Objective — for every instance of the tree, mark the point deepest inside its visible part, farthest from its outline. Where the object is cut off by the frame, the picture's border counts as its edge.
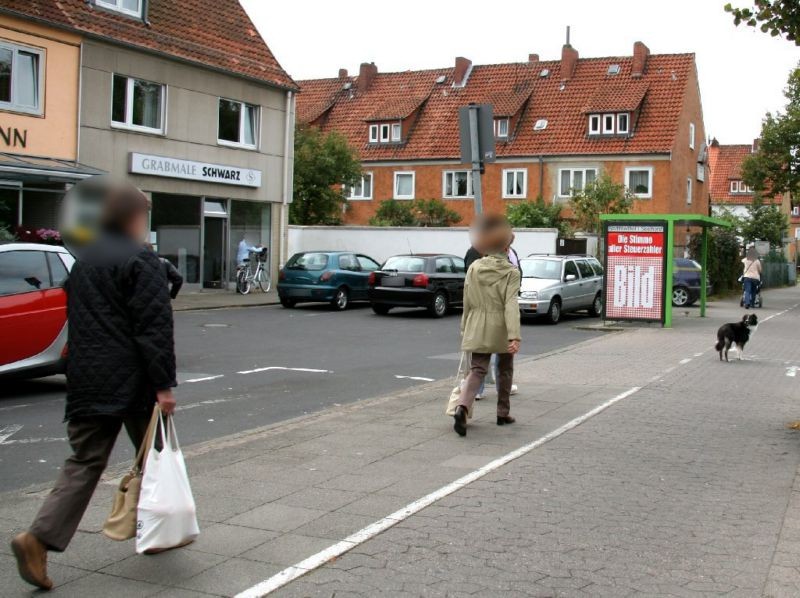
(724, 257)
(434, 212)
(393, 213)
(765, 222)
(600, 196)
(775, 17)
(536, 214)
(323, 164)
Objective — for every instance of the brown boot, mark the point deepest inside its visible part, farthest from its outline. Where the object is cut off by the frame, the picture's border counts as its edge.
(31, 560)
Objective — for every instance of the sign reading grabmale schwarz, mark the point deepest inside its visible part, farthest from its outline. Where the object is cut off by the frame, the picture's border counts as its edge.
(194, 171)
(635, 269)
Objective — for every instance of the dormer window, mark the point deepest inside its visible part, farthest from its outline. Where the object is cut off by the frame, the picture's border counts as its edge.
(740, 187)
(608, 124)
(501, 128)
(613, 123)
(132, 8)
(385, 133)
(622, 123)
(594, 124)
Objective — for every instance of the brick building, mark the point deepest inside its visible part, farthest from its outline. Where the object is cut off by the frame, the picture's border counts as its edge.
(558, 124)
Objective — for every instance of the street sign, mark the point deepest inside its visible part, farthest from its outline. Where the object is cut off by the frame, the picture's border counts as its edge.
(635, 280)
(486, 151)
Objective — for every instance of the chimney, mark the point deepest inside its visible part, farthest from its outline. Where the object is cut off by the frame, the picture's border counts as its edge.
(533, 58)
(714, 142)
(640, 54)
(569, 60)
(756, 142)
(343, 73)
(461, 71)
(366, 74)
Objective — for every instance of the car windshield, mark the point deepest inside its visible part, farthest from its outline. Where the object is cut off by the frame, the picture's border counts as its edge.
(540, 268)
(405, 263)
(308, 261)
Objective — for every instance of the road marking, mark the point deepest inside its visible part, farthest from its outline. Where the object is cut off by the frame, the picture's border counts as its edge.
(202, 404)
(420, 378)
(277, 367)
(315, 561)
(685, 361)
(206, 378)
(31, 440)
(10, 407)
(7, 431)
(792, 371)
(780, 313)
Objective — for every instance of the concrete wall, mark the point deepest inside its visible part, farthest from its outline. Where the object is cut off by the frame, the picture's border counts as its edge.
(382, 243)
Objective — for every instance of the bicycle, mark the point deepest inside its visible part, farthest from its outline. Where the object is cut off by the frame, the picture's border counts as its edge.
(246, 278)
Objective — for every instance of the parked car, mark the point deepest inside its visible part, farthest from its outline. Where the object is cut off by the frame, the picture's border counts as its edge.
(432, 281)
(335, 277)
(33, 309)
(555, 284)
(686, 275)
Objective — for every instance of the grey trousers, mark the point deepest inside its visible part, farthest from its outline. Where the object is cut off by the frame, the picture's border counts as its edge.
(477, 372)
(92, 440)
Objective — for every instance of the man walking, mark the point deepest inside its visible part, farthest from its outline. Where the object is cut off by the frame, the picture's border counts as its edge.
(121, 360)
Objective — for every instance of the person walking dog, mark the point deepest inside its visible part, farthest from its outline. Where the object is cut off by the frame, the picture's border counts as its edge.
(491, 321)
(751, 276)
(121, 361)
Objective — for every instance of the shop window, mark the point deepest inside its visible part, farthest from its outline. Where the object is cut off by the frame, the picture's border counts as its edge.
(238, 124)
(9, 208)
(175, 221)
(137, 104)
(21, 78)
(132, 8)
(249, 221)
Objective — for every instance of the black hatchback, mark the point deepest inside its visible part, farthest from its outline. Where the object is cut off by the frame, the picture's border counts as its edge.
(432, 281)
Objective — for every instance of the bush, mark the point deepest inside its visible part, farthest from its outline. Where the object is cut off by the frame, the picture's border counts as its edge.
(393, 213)
(724, 259)
(536, 214)
(6, 236)
(434, 212)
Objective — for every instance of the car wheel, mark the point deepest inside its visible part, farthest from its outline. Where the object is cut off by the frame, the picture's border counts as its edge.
(438, 306)
(680, 297)
(554, 312)
(287, 303)
(597, 306)
(381, 310)
(341, 300)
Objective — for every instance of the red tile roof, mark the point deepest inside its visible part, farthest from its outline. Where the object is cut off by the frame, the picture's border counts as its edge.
(212, 33)
(725, 165)
(509, 87)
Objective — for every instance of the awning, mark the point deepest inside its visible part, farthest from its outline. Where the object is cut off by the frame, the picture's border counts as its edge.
(53, 170)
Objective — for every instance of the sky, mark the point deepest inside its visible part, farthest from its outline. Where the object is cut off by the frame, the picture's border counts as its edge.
(742, 70)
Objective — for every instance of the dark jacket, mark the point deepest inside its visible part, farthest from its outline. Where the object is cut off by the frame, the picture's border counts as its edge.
(173, 277)
(472, 255)
(120, 347)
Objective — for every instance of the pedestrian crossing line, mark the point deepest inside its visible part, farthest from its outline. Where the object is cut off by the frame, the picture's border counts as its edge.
(285, 369)
(317, 560)
(204, 379)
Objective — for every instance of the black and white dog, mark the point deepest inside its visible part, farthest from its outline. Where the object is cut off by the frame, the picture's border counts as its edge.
(736, 333)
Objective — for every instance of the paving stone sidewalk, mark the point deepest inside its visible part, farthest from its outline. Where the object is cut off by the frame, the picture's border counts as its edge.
(680, 489)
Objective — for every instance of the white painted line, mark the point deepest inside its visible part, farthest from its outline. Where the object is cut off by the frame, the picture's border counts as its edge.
(202, 404)
(792, 371)
(10, 407)
(420, 378)
(206, 378)
(276, 367)
(698, 354)
(685, 361)
(7, 431)
(780, 313)
(317, 560)
(31, 440)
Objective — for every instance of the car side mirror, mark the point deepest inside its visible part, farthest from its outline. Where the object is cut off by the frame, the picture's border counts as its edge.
(570, 277)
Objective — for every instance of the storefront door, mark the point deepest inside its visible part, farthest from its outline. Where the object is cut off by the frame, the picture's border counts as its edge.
(215, 244)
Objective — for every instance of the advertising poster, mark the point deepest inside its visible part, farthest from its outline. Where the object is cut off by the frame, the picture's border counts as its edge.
(635, 270)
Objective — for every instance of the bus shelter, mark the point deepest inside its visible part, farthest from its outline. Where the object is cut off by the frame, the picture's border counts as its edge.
(639, 264)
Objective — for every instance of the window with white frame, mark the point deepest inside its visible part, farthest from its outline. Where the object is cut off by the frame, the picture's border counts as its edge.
(688, 190)
(608, 124)
(740, 187)
(404, 185)
(373, 133)
(137, 104)
(691, 135)
(21, 78)
(639, 181)
(574, 180)
(594, 124)
(396, 132)
(128, 7)
(515, 183)
(623, 123)
(363, 188)
(385, 133)
(501, 128)
(456, 184)
(238, 124)
(618, 123)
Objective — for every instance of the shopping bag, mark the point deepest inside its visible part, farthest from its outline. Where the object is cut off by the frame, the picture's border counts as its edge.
(455, 394)
(167, 517)
(121, 523)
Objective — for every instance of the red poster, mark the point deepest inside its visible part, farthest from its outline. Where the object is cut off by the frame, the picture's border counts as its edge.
(635, 267)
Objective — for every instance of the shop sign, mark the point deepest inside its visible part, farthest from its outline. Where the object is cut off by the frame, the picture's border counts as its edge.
(635, 270)
(175, 168)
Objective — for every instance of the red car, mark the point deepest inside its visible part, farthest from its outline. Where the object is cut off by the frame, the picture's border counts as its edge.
(33, 309)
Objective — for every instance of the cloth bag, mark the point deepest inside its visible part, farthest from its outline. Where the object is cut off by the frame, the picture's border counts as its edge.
(455, 394)
(121, 523)
(167, 516)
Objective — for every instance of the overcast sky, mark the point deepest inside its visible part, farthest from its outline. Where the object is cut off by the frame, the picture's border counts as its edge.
(742, 71)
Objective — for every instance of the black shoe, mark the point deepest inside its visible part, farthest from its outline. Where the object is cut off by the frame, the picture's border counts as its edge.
(460, 421)
(502, 420)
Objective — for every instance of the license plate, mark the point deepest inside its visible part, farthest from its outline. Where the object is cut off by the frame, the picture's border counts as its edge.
(393, 281)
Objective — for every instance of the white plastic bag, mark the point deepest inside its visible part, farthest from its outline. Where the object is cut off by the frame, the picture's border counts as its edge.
(166, 516)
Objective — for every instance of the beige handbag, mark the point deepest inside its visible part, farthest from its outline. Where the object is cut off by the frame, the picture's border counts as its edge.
(121, 523)
(455, 394)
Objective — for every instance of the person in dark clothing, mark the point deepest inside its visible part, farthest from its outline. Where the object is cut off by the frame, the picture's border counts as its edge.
(472, 256)
(121, 361)
(174, 278)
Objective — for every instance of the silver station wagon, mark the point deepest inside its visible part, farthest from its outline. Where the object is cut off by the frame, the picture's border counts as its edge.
(555, 284)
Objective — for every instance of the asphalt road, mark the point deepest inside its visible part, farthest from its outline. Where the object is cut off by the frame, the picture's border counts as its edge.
(233, 365)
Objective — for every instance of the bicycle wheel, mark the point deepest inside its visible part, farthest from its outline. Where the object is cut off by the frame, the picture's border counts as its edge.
(243, 282)
(264, 280)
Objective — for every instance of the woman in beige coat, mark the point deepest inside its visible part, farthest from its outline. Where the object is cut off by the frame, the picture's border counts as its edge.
(491, 322)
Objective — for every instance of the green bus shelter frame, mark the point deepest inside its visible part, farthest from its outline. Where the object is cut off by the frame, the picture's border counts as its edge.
(696, 220)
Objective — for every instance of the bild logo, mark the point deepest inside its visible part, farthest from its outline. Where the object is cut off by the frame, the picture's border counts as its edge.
(634, 286)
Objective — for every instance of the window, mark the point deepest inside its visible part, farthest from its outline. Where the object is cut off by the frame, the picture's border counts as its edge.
(585, 269)
(386, 133)
(238, 123)
(21, 78)
(363, 188)
(691, 135)
(688, 190)
(128, 7)
(598, 269)
(404, 185)
(396, 132)
(574, 179)
(515, 183)
(373, 133)
(622, 123)
(348, 262)
(457, 184)
(608, 123)
(58, 271)
(460, 265)
(23, 272)
(740, 187)
(137, 104)
(501, 127)
(443, 265)
(594, 124)
(570, 269)
(405, 263)
(308, 261)
(640, 181)
(367, 264)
